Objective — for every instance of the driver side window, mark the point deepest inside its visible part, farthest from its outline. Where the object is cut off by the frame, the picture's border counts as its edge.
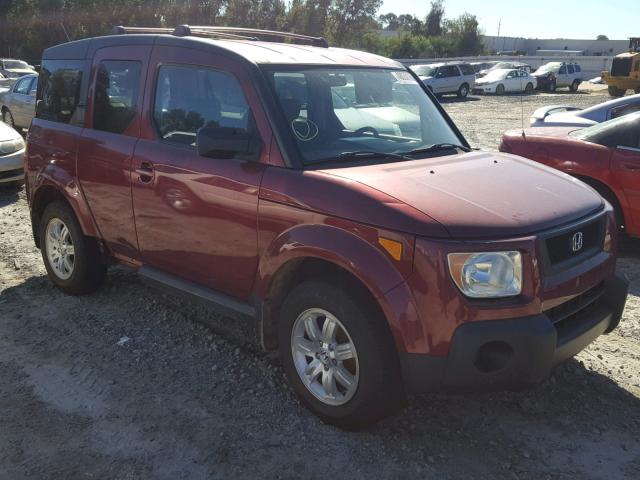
(189, 98)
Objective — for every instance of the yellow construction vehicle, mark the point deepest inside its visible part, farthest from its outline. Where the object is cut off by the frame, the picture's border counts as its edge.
(625, 71)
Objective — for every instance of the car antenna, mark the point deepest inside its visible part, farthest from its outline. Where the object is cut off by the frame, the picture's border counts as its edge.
(524, 137)
(66, 34)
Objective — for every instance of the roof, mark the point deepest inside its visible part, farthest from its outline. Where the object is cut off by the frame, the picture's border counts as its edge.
(258, 52)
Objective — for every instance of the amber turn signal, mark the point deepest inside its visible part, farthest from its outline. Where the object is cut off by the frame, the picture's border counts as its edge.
(392, 247)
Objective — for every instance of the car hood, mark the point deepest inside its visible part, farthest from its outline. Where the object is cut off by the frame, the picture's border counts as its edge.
(481, 195)
(7, 133)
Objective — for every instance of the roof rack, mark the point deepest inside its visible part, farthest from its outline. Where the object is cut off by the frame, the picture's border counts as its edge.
(232, 33)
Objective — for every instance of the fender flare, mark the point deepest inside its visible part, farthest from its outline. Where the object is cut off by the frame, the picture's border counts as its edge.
(376, 272)
(64, 184)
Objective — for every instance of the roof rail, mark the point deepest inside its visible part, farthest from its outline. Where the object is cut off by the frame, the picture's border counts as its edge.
(233, 33)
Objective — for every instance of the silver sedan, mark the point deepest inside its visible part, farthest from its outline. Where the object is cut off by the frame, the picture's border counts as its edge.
(568, 116)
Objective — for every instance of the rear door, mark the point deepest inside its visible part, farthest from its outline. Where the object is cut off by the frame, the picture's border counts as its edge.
(20, 101)
(562, 79)
(107, 143)
(196, 217)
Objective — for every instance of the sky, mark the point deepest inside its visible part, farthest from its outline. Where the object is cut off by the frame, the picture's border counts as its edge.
(582, 19)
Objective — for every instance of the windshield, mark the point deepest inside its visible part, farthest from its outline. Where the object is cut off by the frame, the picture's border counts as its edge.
(336, 111)
(424, 70)
(15, 64)
(596, 133)
(549, 67)
(496, 75)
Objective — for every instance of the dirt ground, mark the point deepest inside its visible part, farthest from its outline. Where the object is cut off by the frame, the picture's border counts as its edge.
(130, 384)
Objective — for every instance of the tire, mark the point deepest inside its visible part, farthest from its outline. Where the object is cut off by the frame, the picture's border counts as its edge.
(529, 88)
(7, 117)
(75, 273)
(463, 91)
(500, 89)
(574, 86)
(615, 91)
(377, 390)
(636, 91)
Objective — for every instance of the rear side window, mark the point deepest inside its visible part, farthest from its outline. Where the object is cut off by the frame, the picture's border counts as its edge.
(60, 91)
(570, 68)
(22, 86)
(189, 98)
(577, 67)
(116, 95)
(450, 71)
(467, 69)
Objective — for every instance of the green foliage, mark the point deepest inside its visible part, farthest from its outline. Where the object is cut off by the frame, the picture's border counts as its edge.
(27, 27)
(602, 37)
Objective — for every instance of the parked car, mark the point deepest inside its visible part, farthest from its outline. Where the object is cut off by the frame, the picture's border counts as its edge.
(375, 264)
(605, 156)
(505, 65)
(451, 77)
(568, 116)
(479, 66)
(11, 68)
(505, 81)
(554, 75)
(11, 156)
(18, 105)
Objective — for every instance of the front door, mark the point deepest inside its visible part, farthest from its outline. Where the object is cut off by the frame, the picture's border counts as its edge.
(106, 147)
(626, 169)
(196, 217)
(21, 101)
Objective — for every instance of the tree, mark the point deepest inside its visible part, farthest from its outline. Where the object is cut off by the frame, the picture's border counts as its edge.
(433, 22)
(351, 18)
(389, 21)
(465, 32)
(602, 37)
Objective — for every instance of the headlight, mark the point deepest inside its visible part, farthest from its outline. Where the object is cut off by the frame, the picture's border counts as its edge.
(11, 146)
(487, 274)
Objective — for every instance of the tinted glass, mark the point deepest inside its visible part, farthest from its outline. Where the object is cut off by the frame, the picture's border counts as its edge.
(625, 109)
(425, 70)
(570, 68)
(59, 91)
(116, 95)
(620, 131)
(577, 67)
(563, 70)
(189, 98)
(17, 64)
(450, 71)
(23, 85)
(332, 111)
(467, 69)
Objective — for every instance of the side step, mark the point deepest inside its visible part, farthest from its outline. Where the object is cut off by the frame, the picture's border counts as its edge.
(170, 283)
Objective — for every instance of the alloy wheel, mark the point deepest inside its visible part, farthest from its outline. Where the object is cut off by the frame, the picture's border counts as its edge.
(59, 248)
(325, 356)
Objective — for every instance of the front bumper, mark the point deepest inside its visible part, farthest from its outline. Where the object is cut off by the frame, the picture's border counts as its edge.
(484, 89)
(12, 167)
(519, 352)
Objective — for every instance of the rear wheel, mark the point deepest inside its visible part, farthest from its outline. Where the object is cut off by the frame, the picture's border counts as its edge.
(615, 91)
(574, 86)
(500, 89)
(338, 354)
(552, 86)
(528, 89)
(463, 91)
(73, 261)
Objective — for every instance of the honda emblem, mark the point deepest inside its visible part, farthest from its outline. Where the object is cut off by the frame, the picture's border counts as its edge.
(576, 242)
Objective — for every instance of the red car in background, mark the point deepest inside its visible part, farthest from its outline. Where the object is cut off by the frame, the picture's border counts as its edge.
(605, 156)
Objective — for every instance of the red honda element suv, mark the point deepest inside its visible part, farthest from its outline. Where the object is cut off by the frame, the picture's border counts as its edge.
(326, 194)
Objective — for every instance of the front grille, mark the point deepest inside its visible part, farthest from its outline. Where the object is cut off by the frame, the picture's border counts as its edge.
(576, 242)
(621, 67)
(570, 317)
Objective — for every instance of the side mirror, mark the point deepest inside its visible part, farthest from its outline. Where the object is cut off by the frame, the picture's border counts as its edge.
(32, 93)
(226, 142)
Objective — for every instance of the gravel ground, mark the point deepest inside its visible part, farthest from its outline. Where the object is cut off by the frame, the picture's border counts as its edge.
(129, 384)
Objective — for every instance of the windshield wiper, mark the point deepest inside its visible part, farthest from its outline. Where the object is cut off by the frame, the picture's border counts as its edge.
(438, 147)
(363, 155)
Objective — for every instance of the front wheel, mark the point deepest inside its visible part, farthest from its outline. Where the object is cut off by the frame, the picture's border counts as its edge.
(338, 353)
(500, 90)
(615, 91)
(528, 89)
(463, 91)
(7, 118)
(73, 261)
(574, 86)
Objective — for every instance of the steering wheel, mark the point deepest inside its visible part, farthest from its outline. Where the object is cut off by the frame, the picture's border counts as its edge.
(367, 129)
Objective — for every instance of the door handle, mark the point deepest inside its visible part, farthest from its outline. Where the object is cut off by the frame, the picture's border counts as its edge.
(145, 172)
(631, 166)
